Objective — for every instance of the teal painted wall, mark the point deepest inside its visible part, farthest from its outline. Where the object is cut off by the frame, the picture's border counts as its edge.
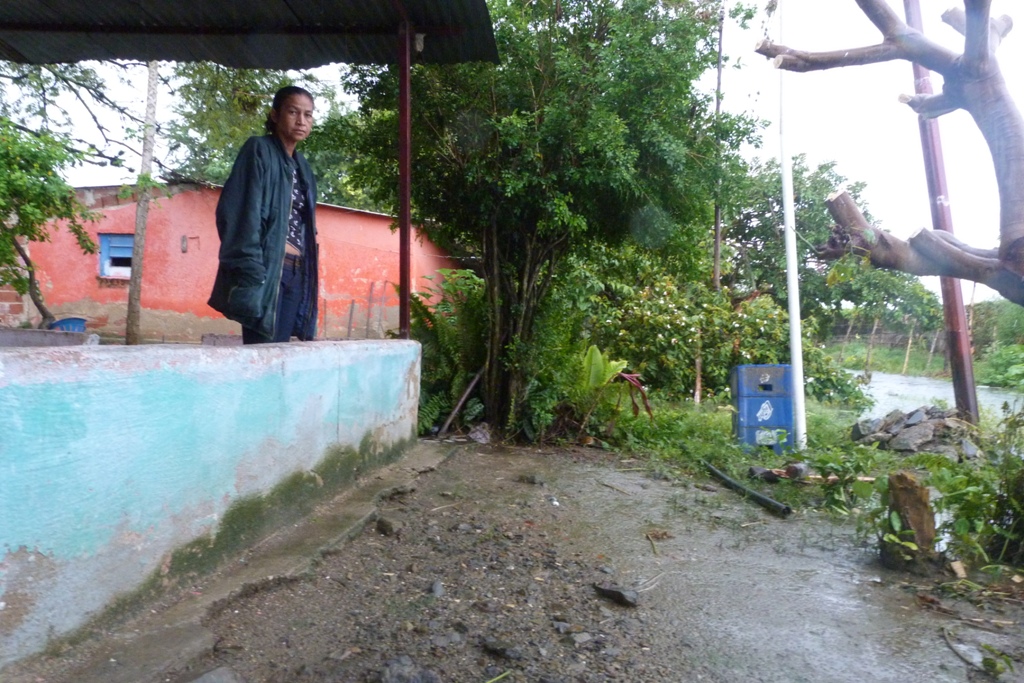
(112, 457)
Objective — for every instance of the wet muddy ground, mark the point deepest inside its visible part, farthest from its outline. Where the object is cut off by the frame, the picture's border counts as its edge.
(486, 571)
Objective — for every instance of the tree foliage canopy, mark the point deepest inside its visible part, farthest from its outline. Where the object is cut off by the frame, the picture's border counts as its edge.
(32, 193)
(589, 128)
(216, 111)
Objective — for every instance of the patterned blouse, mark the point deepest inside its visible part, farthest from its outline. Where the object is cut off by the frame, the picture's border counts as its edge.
(297, 219)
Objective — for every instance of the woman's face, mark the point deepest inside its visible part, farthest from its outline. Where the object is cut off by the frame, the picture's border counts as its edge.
(294, 120)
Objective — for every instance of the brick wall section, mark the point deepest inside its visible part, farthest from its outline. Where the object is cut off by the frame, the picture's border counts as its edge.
(12, 307)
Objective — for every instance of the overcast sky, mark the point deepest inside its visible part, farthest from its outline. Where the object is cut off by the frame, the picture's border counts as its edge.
(852, 115)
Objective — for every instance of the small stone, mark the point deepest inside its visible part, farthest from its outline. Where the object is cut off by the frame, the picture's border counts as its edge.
(916, 417)
(797, 470)
(487, 606)
(220, 675)
(629, 598)
(912, 438)
(437, 589)
(865, 427)
(893, 422)
(404, 670)
(500, 648)
(581, 638)
(388, 527)
(481, 433)
(877, 437)
(532, 479)
(968, 449)
(940, 448)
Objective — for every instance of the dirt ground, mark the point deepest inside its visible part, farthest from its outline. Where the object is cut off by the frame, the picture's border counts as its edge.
(555, 567)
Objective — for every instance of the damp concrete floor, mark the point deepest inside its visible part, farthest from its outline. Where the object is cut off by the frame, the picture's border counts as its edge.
(726, 592)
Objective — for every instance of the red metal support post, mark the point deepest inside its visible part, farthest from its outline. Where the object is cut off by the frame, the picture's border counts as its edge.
(405, 38)
(958, 340)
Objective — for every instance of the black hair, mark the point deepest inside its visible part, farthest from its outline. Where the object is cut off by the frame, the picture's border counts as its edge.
(279, 98)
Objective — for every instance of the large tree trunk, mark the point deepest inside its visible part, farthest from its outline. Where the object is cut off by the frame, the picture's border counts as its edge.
(971, 81)
(518, 268)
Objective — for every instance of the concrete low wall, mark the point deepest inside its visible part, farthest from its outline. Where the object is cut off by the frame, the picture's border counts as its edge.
(122, 465)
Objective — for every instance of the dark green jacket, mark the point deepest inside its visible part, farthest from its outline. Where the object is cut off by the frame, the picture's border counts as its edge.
(252, 221)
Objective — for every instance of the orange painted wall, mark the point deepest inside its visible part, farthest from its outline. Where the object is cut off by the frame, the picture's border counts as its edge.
(358, 257)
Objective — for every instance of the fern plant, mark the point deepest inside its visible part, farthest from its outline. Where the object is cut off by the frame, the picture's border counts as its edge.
(449, 320)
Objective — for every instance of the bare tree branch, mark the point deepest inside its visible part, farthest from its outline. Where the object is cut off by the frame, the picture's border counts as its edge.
(999, 26)
(927, 252)
(973, 82)
(977, 49)
(882, 16)
(799, 60)
(932, 106)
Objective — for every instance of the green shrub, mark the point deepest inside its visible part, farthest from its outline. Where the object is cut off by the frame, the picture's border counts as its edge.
(449, 321)
(1003, 366)
(981, 502)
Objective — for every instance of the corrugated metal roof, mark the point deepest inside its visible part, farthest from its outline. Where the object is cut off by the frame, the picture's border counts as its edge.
(278, 34)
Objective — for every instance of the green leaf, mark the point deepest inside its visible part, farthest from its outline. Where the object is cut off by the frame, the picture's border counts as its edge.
(598, 369)
(862, 489)
(895, 522)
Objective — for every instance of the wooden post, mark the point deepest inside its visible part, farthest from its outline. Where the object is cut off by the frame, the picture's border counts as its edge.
(910, 342)
(133, 324)
(871, 348)
(369, 311)
(931, 351)
(958, 344)
(846, 339)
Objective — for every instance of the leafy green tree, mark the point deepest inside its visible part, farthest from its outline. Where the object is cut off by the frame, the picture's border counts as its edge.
(897, 300)
(332, 157)
(52, 98)
(756, 240)
(32, 193)
(217, 109)
(590, 127)
(829, 291)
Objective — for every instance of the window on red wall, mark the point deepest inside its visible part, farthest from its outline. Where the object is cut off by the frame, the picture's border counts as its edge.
(116, 255)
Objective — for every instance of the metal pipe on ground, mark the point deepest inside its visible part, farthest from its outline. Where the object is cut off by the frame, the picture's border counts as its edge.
(767, 503)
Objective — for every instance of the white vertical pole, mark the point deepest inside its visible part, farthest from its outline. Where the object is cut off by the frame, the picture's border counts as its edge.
(796, 347)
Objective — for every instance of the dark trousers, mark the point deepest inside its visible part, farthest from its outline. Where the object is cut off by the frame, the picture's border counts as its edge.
(293, 284)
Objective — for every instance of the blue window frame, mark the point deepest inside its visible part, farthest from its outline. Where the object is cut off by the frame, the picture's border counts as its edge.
(116, 255)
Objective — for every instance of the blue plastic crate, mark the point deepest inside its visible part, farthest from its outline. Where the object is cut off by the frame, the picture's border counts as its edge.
(761, 380)
(69, 325)
(764, 411)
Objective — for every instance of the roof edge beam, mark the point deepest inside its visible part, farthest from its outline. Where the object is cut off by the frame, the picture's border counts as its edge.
(223, 30)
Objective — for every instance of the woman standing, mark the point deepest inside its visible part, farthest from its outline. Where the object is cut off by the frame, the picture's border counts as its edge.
(267, 278)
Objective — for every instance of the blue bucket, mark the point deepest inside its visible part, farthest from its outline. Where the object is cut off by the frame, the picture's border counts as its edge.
(69, 325)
